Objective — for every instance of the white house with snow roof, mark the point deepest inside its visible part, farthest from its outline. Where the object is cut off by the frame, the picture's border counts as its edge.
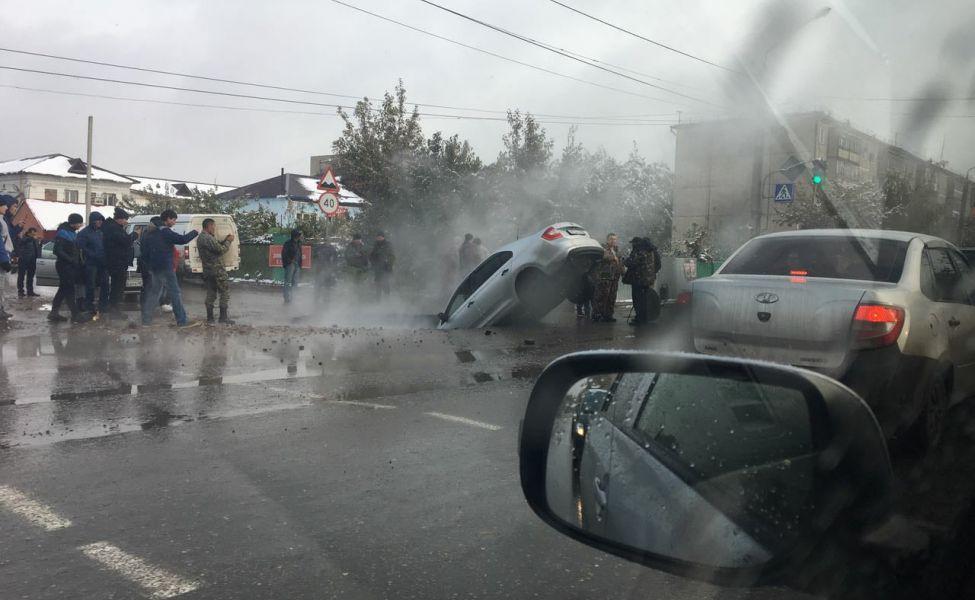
(60, 178)
(147, 187)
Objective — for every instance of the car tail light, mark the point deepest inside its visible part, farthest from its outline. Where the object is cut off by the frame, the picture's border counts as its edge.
(186, 252)
(798, 275)
(877, 325)
(551, 234)
(684, 298)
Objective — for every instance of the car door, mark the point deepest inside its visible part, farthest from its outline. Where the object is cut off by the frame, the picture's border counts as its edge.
(464, 309)
(496, 294)
(46, 272)
(962, 340)
(954, 296)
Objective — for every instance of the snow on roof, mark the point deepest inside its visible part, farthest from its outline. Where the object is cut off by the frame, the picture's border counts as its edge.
(59, 165)
(51, 214)
(175, 187)
(310, 187)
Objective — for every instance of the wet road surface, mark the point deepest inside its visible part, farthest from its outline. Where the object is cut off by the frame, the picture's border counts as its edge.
(287, 460)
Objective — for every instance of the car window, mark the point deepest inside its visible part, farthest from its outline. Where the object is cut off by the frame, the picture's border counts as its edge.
(966, 281)
(947, 279)
(839, 257)
(742, 432)
(47, 250)
(627, 396)
(928, 286)
(476, 279)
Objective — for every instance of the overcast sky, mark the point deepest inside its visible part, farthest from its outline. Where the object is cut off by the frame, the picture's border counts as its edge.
(860, 50)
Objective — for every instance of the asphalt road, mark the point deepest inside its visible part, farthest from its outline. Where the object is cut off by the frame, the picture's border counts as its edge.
(287, 459)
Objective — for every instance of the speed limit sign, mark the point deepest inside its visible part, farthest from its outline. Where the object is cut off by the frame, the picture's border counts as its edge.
(328, 202)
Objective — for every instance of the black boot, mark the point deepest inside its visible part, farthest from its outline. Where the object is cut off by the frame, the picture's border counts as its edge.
(210, 318)
(223, 316)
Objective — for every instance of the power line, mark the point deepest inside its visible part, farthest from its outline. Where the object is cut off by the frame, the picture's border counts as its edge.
(504, 58)
(269, 86)
(544, 46)
(271, 110)
(645, 39)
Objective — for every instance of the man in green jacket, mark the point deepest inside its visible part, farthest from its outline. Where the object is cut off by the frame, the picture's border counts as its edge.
(214, 272)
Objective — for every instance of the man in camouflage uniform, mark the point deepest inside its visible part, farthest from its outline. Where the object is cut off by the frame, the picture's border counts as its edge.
(642, 265)
(606, 277)
(214, 273)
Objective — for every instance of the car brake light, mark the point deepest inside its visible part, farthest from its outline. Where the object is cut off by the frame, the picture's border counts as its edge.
(877, 325)
(186, 252)
(551, 234)
(684, 298)
(798, 275)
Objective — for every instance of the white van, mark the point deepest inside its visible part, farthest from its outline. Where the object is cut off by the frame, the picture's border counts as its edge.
(189, 256)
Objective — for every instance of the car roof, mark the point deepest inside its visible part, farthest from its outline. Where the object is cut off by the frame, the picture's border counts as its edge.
(883, 234)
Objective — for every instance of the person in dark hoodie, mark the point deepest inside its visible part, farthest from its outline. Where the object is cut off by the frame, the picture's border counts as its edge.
(381, 259)
(157, 252)
(68, 265)
(119, 253)
(642, 265)
(291, 261)
(91, 242)
(28, 251)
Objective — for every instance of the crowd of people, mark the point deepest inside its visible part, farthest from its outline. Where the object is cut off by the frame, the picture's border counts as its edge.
(96, 258)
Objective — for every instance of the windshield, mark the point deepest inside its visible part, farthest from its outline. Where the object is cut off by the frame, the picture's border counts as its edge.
(839, 257)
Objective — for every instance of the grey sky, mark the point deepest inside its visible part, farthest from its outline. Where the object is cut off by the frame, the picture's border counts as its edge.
(880, 48)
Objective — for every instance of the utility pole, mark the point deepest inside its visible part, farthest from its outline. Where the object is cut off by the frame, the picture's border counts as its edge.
(88, 173)
(965, 202)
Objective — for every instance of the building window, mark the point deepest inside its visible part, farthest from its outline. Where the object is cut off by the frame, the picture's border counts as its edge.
(51, 195)
(822, 139)
(71, 196)
(109, 199)
(850, 149)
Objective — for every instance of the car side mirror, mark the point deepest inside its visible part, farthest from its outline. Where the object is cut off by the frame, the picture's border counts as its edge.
(724, 470)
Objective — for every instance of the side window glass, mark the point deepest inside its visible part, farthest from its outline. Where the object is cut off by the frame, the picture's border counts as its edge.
(628, 395)
(47, 250)
(965, 291)
(946, 277)
(476, 279)
(928, 287)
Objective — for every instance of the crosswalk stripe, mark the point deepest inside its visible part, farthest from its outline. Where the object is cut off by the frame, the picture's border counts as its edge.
(43, 516)
(158, 582)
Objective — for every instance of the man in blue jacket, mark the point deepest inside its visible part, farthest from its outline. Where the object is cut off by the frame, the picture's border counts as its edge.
(92, 246)
(157, 256)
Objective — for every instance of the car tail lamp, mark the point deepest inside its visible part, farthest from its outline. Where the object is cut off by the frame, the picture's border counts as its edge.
(684, 298)
(186, 252)
(551, 234)
(877, 325)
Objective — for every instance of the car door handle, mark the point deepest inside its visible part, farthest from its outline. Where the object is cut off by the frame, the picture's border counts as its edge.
(953, 322)
(600, 492)
(505, 272)
(470, 304)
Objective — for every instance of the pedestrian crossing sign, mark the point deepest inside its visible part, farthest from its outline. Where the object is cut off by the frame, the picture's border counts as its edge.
(785, 192)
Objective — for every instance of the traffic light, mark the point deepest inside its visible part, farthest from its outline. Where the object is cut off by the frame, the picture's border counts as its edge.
(818, 175)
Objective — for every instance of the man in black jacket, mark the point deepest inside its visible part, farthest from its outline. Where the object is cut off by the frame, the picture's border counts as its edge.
(291, 261)
(28, 251)
(68, 265)
(119, 254)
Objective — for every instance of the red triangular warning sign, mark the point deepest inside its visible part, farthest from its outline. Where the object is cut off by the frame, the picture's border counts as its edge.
(328, 181)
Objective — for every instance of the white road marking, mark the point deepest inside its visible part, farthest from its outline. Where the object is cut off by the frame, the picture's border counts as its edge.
(325, 399)
(357, 403)
(465, 421)
(159, 583)
(17, 502)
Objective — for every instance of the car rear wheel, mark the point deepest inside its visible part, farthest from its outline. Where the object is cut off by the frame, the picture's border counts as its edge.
(930, 425)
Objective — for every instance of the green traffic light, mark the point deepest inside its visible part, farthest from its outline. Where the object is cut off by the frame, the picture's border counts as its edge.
(817, 179)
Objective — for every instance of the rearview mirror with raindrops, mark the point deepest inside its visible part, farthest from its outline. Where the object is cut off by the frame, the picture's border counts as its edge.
(724, 470)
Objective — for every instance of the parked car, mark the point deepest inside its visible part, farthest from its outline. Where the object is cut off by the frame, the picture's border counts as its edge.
(852, 304)
(524, 280)
(47, 274)
(188, 258)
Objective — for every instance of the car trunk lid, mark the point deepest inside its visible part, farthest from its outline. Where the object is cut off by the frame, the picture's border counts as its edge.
(793, 320)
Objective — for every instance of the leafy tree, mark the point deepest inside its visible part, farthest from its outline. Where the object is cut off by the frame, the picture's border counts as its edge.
(844, 204)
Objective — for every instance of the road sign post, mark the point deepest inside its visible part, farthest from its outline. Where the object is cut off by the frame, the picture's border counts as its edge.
(328, 201)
